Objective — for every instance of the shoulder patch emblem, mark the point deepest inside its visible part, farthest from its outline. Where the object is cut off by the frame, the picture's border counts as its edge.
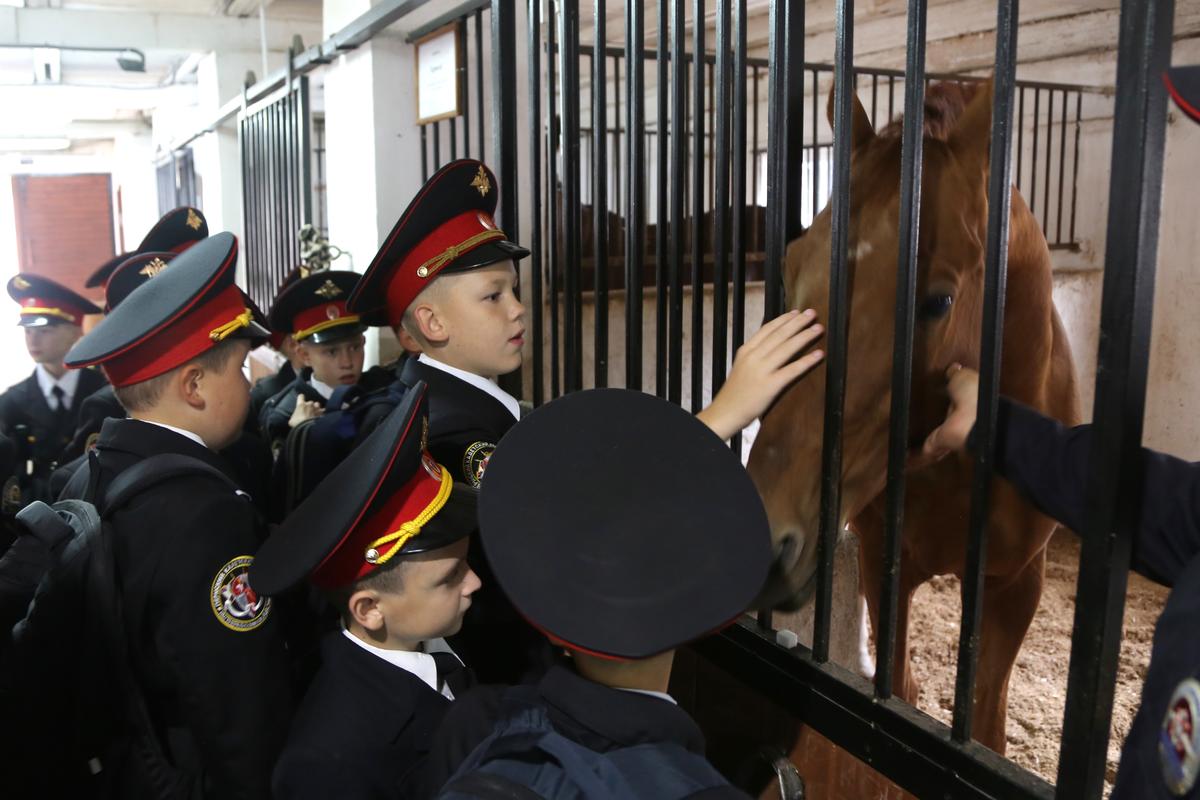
(475, 461)
(1179, 738)
(236, 605)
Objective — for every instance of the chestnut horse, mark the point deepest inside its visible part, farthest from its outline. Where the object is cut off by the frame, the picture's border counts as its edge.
(1036, 370)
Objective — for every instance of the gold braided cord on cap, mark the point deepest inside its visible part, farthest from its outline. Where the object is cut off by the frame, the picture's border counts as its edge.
(36, 311)
(455, 250)
(411, 528)
(325, 325)
(234, 325)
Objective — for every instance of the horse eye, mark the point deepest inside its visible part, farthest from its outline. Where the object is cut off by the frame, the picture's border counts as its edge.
(935, 306)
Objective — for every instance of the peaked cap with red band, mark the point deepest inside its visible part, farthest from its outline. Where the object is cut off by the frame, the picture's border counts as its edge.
(448, 227)
(166, 322)
(386, 500)
(46, 302)
(646, 531)
(175, 231)
(1184, 85)
(313, 309)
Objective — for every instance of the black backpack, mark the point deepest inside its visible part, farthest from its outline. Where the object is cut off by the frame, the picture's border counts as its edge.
(70, 668)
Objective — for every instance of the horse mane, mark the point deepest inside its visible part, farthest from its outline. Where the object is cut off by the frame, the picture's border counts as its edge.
(944, 104)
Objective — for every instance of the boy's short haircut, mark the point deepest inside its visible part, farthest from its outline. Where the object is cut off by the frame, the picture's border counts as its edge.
(387, 579)
(145, 395)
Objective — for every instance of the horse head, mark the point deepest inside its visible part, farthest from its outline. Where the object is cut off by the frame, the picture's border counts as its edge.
(786, 459)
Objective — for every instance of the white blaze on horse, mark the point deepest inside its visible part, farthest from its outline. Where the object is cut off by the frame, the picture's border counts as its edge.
(1036, 370)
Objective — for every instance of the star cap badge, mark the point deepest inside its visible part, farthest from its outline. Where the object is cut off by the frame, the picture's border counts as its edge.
(20, 283)
(328, 290)
(193, 220)
(153, 268)
(481, 182)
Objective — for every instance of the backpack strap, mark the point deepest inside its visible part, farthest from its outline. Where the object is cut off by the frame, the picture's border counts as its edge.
(155, 470)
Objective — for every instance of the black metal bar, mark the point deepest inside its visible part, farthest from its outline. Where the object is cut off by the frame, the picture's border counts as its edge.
(1062, 168)
(568, 51)
(706, 154)
(911, 163)
(457, 14)
(1049, 154)
(424, 153)
(874, 99)
(891, 97)
(306, 151)
(816, 150)
(1037, 119)
(275, 154)
(994, 283)
(437, 145)
(600, 197)
(754, 149)
(291, 189)
(554, 212)
(1020, 133)
(662, 217)
(504, 138)
(720, 206)
(839, 316)
(618, 195)
(534, 61)
(739, 189)
(451, 124)
(697, 226)
(635, 211)
(465, 93)
(479, 83)
(889, 735)
(1075, 169)
(678, 157)
(1115, 466)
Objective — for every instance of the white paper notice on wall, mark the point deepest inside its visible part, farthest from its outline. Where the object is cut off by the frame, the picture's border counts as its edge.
(437, 75)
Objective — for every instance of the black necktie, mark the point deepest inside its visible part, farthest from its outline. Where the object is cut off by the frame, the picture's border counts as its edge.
(450, 672)
(61, 397)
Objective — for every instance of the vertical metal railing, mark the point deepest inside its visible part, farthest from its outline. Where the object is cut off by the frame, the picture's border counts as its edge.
(635, 171)
(274, 138)
(600, 174)
(1115, 467)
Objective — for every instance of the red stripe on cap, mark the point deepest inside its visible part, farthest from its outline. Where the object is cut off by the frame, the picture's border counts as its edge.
(326, 312)
(1187, 107)
(179, 248)
(40, 306)
(406, 284)
(347, 563)
(176, 344)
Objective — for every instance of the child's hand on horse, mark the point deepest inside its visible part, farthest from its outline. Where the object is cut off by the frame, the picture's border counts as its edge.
(963, 387)
(767, 364)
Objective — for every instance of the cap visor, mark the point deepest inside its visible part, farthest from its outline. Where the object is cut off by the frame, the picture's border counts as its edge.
(487, 254)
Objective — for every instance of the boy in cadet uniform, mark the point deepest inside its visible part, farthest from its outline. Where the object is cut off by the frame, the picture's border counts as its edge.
(384, 536)
(643, 535)
(41, 412)
(206, 649)
(175, 232)
(446, 278)
(281, 341)
(329, 341)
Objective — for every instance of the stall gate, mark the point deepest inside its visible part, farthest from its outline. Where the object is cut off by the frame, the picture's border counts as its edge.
(613, 224)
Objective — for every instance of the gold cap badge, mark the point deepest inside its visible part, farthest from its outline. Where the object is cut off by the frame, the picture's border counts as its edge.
(193, 220)
(153, 268)
(20, 283)
(481, 182)
(328, 290)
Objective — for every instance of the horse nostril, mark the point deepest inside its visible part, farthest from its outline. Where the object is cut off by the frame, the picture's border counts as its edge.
(787, 552)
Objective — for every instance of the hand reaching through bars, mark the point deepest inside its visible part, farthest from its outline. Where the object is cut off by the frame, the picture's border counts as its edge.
(767, 364)
(963, 386)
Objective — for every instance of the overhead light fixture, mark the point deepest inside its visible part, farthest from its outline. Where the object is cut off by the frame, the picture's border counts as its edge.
(29, 144)
(132, 60)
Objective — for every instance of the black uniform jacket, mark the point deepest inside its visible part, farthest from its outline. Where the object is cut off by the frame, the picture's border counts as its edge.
(363, 731)
(268, 387)
(215, 681)
(275, 412)
(596, 716)
(23, 404)
(465, 424)
(98, 406)
(1049, 465)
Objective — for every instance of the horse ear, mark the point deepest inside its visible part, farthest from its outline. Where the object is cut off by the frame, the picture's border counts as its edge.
(861, 130)
(973, 132)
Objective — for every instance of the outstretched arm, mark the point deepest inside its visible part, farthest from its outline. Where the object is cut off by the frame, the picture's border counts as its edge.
(763, 368)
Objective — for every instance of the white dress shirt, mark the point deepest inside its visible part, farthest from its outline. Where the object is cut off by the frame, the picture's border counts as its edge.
(323, 389)
(69, 382)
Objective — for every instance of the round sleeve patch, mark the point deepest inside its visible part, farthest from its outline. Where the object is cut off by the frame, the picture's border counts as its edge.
(237, 606)
(475, 461)
(1179, 738)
